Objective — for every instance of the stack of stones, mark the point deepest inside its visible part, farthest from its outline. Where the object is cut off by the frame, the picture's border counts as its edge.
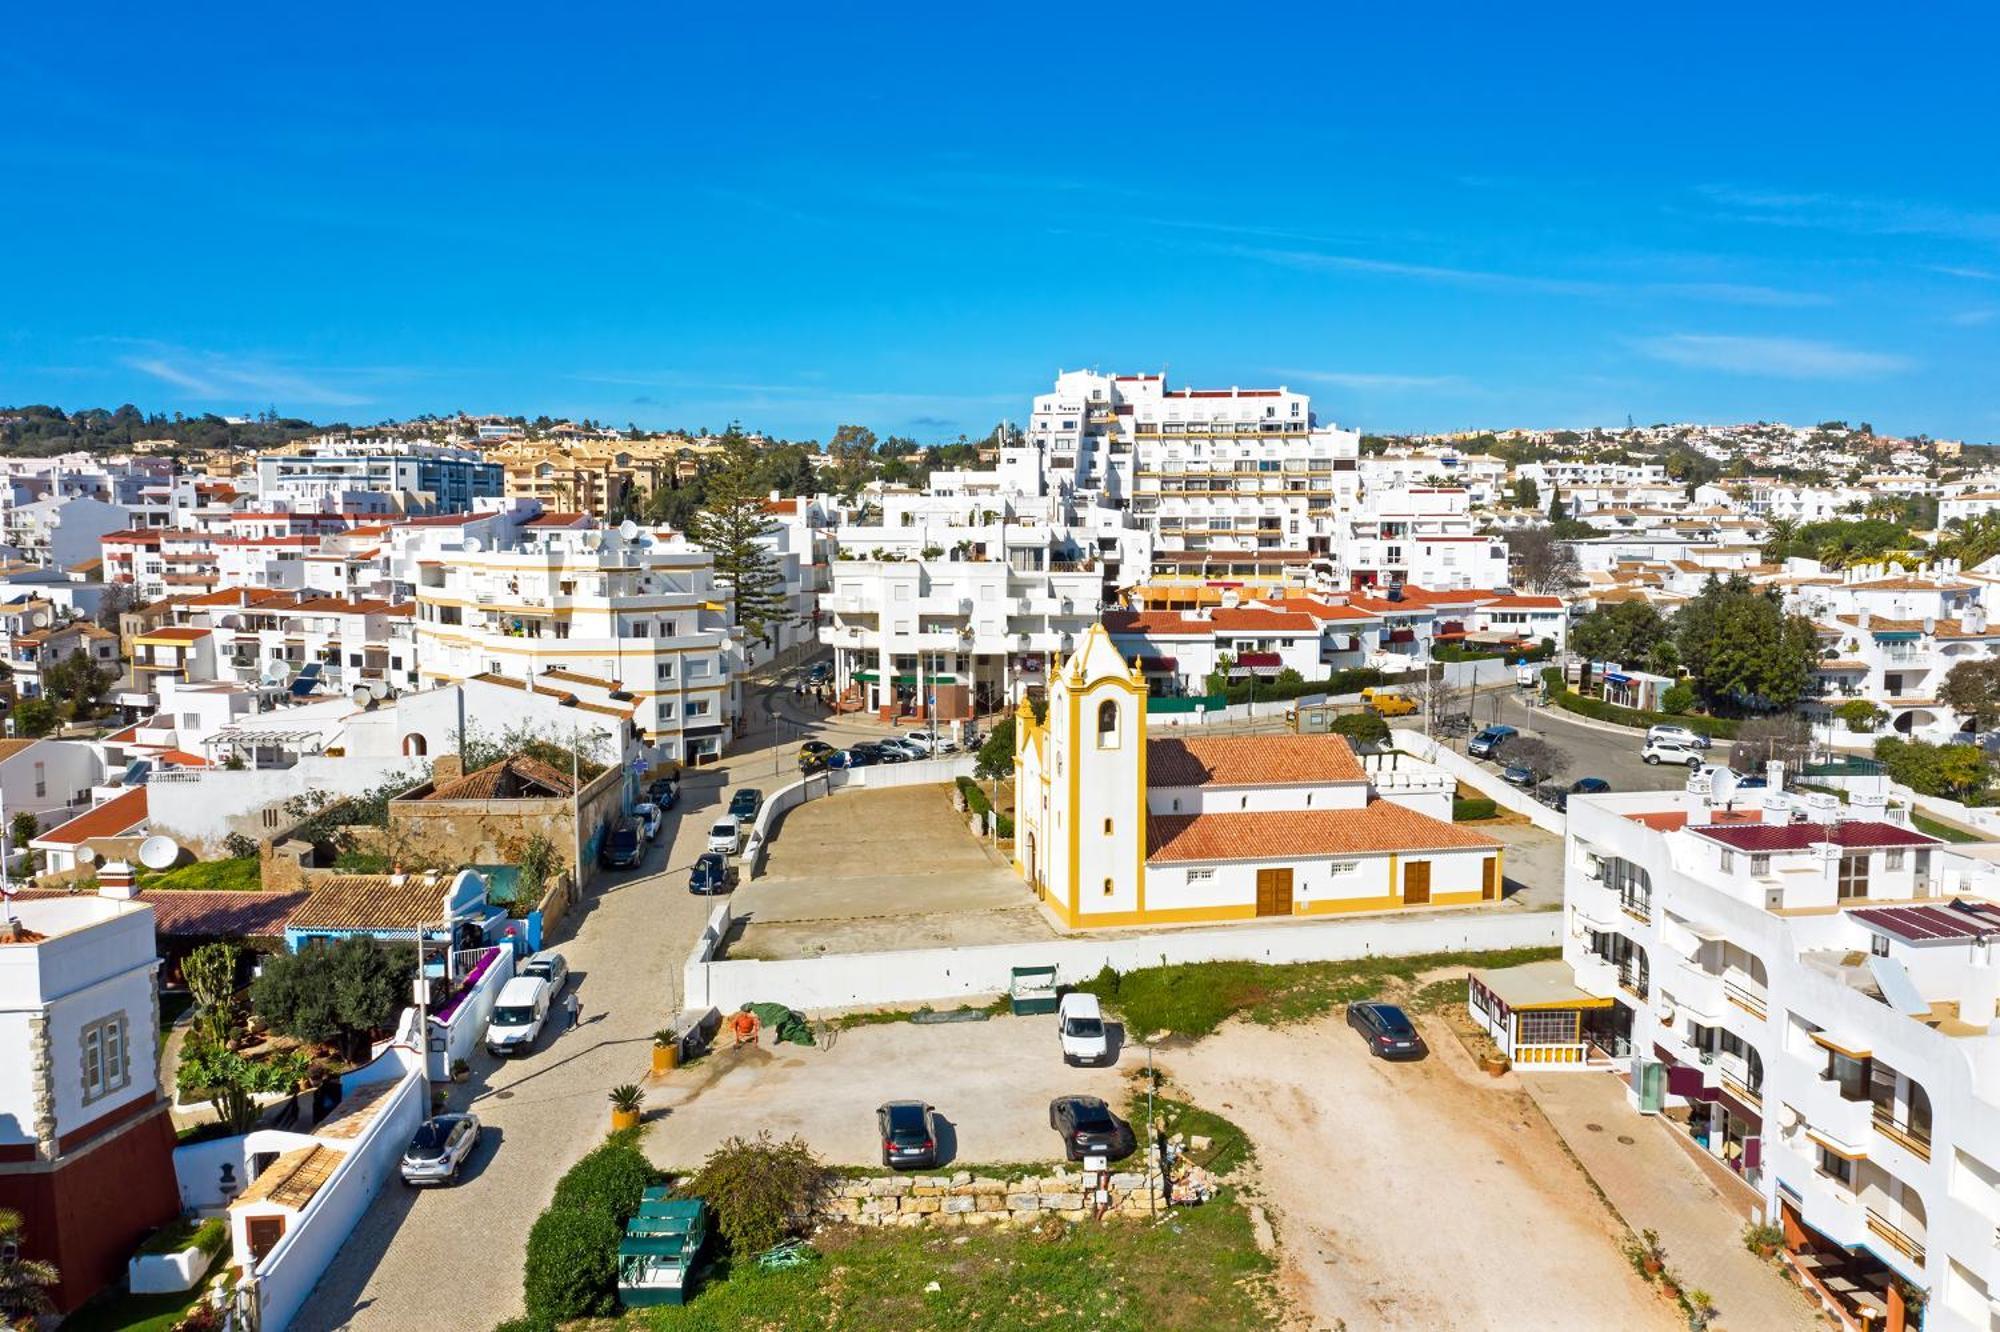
(963, 1199)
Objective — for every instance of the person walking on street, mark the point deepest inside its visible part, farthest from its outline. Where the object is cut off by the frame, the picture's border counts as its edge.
(573, 1007)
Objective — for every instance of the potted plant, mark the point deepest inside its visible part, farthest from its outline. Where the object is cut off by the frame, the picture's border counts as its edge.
(1762, 1240)
(1670, 1286)
(460, 1070)
(1653, 1254)
(625, 1103)
(1701, 1309)
(666, 1050)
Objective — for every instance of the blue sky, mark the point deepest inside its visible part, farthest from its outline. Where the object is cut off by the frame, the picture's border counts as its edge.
(673, 215)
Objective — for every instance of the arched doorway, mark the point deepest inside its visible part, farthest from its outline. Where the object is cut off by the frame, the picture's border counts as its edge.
(414, 745)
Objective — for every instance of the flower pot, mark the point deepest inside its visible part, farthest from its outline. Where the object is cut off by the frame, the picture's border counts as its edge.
(624, 1119)
(666, 1058)
(1494, 1064)
(1652, 1268)
(1671, 1291)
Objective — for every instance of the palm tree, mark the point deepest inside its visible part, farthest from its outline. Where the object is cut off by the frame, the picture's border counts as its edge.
(24, 1282)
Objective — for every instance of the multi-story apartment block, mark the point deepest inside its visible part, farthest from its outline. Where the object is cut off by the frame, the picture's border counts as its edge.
(1426, 536)
(1806, 989)
(1232, 483)
(270, 637)
(446, 480)
(556, 596)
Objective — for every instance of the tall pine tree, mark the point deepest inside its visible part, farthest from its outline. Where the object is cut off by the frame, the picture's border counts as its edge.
(731, 525)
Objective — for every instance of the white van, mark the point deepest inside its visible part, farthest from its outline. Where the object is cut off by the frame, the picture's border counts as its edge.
(1081, 1022)
(726, 836)
(518, 1015)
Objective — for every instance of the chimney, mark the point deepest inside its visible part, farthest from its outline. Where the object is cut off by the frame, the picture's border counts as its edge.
(117, 881)
(1982, 983)
(1774, 776)
(1868, 806)
(1695, 798)
(1822, 808)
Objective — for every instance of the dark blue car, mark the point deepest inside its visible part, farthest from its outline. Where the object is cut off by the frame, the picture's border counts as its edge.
(712, 874)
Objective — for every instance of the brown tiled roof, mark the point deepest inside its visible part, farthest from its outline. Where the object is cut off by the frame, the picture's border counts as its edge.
(293, 1179)
(196, 913)
(514, 778)
(1251, 760)
(374, 902)
(9, 748)
(116, 815)
(1301, 833)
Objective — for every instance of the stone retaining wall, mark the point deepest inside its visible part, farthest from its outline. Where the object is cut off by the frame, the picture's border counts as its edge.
(962, 1199)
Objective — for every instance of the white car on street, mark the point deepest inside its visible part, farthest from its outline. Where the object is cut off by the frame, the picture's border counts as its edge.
(1671, 751)
(1680, 735)
(932, 742)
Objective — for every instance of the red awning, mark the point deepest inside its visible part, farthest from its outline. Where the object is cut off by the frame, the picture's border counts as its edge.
(1402, 635)
(1259, 661)
(1169, 665)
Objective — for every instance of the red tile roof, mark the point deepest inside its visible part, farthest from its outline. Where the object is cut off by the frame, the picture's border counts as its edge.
(1251, 760)
(120, 814)
(1221, 619)
(1299, 834)
(195, 913)
(1853, 834)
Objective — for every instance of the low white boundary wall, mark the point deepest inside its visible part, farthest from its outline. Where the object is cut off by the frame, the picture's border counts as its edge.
(1487, 783)
(925, 975)
(926, 772)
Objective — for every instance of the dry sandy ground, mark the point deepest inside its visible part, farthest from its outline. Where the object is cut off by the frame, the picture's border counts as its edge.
(1417, 1195)
(990, 1081)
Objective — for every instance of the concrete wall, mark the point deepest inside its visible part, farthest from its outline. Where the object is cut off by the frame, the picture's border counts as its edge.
(598, 805)
(1485, 782)
(199, 807)
(458, 1038)
(945, 1201)
(864, 980)
(290, 1271)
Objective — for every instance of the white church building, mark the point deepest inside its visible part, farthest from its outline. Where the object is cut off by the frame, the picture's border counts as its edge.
(1115, 828)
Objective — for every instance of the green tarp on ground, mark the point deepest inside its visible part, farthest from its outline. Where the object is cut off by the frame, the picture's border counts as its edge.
(787, 1025)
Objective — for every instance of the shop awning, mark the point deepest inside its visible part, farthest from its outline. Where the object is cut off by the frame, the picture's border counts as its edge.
(869, 677)
(1260, 661)
(1538, 985)
(1168, 665)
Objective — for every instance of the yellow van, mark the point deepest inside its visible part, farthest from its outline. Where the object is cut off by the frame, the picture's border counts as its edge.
(1388, 703)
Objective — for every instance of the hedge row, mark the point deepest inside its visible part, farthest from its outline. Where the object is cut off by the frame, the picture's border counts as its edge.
(1476, 807)
(1560, 694)
(976, 801)
(1350, 681)
(1457, 652)
(572, 1260)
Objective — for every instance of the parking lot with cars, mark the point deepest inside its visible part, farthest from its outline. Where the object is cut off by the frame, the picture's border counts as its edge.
(1591, 752)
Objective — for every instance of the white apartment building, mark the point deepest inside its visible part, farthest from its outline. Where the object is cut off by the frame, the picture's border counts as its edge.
(1230, 483)
(329, 468)
(555, 598)
(1808, 991)
(1486, 480)
(964, 635)
(1426, 536)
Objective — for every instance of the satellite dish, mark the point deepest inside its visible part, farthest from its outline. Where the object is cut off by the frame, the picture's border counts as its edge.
(85, 856)
(378, 689)
(592, 540)
(158, 853)
(360, 697)
(628, 529)
(39, 619)
(473, 545)
(1722, 785)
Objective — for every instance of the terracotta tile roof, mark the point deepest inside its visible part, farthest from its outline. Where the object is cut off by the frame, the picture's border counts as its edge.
(176, 634)
(374, 902)
(1671, 819)
(194, 913)
(517, 778)
(1298, 834)
(118, 815)
(573, 678)
(1251, 760)
(9, 748)
(294, 1178)
(1849, 833)
(1221, 619)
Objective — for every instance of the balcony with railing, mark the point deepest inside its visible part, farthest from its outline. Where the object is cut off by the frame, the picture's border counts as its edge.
(1912, 1137)
(1745, 993)
(1902, 1232)
(1634, 978)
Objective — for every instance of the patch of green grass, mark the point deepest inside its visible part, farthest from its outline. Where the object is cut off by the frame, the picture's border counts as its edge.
(1945, 830)
(236, 875)
(1439, 996)
(351, 861)
(879, 1016)
(133, 1313)
(1197, 1271)
(1193, 999)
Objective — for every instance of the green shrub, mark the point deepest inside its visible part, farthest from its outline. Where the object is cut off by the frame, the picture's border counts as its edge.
(612, 1179)
(1477, 807)
(1350, 681)
(762, 1191)
(1364, 728)
(1678, 699)
(572, 1266)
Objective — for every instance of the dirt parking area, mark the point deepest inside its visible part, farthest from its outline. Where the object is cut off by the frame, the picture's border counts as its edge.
(991, 1082)
(869, 871)
(1415, 1195)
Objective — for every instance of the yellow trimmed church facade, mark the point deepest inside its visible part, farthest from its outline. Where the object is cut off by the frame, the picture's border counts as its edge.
(1115, 828)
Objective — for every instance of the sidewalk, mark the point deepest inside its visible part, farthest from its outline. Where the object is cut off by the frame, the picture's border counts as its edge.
(1654, 1184)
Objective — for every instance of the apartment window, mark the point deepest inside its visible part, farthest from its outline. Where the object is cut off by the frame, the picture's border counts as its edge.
(1878, 944)
(638, 629)
(106, 1067)
(697, 707)
(1728, 861)
(1836, 1167)
(664, 671)
(1894, 859)
(697, 668)
(1760, 865)
(1107, 887)
(41, 780)
(1107, 827)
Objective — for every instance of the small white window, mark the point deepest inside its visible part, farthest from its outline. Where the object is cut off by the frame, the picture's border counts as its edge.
(1200, 875)
(105, 1068)
(1894, 859)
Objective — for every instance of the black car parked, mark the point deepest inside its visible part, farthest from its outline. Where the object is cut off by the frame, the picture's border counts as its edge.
(623, 848)
(1388, 1030)
(743, 806)
(712, 874)
(1087, 1126)
(909, 1135)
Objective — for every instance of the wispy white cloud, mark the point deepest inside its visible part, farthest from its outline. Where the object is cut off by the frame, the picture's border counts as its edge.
(216, 377)
(1360, 379)
(1783, 358)
(1973, 318)
(1722, 293)
(1975, 274)
(1875, 217)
